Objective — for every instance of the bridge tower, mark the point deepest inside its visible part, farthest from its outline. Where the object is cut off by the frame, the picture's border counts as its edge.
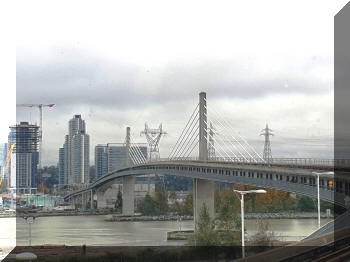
(128, 208)
(267, 132)
(203, 190)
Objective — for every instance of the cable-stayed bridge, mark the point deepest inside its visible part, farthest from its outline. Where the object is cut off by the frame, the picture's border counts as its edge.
(223, 156)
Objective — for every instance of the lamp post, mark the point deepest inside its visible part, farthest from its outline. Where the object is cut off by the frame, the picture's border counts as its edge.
(30, 220)
(318, 194)
(242, 193)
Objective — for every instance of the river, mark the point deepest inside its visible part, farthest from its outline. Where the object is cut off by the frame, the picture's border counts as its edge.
(93, 230)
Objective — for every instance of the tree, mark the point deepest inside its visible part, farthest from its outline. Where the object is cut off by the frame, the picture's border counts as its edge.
(228, 219)
(306, 204)
(119, 202)
(148, 206)
(205, 234)
(161, 199)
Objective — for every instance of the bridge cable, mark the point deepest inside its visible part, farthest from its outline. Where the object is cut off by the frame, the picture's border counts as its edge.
(195, 129)
(138, 149)
(229, 157)
(133, 151)
(180, 145)
(234, 137)
(133, 159)
(139, 152)
(190, 146)
(195, 110)
(217, 151)
(230, 126)
(190, 127)
(231, 144)
(134, 156)
(235, 140)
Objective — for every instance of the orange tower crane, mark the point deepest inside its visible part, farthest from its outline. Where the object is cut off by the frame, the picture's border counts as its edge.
(40, 106)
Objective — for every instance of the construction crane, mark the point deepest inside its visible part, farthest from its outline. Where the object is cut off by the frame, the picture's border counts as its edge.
(8, 159)
(40, 106)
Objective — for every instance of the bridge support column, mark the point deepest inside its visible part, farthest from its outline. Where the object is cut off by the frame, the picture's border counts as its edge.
(203, 195)
(101, 200)
(203, 190)
(128, 208)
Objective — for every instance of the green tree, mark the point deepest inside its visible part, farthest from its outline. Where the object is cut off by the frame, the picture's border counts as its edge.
(205, 234)
(228, 219)
(119, 202)
(161, 199)
(148, 206)
(306, 204)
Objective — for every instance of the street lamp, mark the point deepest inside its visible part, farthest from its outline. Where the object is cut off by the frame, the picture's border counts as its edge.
(30, 220)
(318, 194)
(242, 193)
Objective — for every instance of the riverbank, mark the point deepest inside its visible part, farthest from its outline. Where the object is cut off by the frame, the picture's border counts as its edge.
(114, 216)
(120, 218)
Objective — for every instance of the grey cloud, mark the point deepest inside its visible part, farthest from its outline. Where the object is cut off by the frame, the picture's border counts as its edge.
(88, 80)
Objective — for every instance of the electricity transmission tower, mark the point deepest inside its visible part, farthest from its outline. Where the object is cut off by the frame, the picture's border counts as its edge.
(211, 148)
(267, 132)
(153, 136)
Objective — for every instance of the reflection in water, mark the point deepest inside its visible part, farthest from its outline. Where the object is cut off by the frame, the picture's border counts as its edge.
(93, 230)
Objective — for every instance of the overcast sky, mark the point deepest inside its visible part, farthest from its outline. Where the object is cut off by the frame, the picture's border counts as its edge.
(127, 63)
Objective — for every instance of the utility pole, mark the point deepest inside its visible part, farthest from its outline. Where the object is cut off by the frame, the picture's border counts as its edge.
(267, 155)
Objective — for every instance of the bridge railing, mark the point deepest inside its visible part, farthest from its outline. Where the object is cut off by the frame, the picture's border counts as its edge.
(282, 161)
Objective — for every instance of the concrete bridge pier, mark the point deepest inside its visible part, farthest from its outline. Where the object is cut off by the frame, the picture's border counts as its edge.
(203, 195)
(128, 208)
(83, 201)
(101, 200)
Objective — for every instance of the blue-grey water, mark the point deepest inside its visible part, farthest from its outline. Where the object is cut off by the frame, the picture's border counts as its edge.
(93, 230)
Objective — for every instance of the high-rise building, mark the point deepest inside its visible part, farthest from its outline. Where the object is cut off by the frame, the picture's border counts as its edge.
(112, 156)
(61, 177)
(74, 155)
(3, 156)
(26, 156)
(101, 161)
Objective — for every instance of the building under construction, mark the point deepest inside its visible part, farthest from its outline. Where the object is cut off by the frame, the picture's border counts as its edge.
(26, 157)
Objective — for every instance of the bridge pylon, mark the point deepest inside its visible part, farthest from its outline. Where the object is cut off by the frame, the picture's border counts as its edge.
(128, 195)
(203, 190)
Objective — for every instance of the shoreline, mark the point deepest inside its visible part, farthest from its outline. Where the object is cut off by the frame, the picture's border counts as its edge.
(114, 217)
